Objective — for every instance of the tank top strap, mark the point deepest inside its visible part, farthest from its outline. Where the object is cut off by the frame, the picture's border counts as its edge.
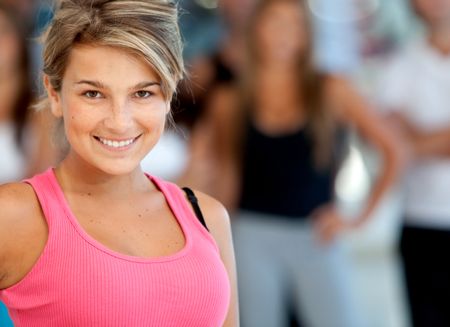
(43, 186)
(177, 198)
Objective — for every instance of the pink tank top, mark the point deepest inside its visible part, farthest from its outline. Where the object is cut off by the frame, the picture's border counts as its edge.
(79, 282)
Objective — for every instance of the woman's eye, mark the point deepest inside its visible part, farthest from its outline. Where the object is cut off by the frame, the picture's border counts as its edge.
(143, 94)
(93, 94)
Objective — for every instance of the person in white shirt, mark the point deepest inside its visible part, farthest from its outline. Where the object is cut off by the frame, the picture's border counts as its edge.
(415, 89)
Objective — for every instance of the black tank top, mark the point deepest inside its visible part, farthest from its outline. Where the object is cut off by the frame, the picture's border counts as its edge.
(279, 176)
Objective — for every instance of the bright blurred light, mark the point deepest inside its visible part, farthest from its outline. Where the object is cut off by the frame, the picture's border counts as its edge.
(353, 180)
(343, 10)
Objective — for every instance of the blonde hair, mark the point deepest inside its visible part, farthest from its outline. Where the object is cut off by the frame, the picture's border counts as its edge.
(148, 28)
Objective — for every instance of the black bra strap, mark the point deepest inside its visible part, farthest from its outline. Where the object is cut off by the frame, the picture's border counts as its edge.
(194, 202)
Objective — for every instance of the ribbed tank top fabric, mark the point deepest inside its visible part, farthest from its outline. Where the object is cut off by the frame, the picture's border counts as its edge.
(79, 282)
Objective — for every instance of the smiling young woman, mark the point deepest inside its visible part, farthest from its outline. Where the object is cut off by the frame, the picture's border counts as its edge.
(110, 122)
(95, 240)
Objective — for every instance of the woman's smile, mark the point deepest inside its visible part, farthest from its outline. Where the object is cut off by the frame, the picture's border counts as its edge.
(112, 144)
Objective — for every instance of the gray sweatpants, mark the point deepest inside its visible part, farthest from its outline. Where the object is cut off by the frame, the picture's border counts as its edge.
(281, 264)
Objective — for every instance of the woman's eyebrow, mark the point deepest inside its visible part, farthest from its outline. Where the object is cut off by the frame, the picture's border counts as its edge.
(100, 85)
(145, 84)
(96, 84)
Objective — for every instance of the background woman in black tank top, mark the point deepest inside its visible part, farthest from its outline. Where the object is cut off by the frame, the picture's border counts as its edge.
(277, 150)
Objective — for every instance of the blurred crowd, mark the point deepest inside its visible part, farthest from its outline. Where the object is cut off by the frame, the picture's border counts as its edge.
(324, 128)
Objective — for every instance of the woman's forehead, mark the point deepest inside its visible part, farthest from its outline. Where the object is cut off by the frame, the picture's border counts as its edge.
(99, 62)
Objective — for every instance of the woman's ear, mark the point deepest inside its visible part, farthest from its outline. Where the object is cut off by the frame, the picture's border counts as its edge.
(53, 97)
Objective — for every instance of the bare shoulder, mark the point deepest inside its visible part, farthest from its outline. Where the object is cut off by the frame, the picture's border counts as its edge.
(16, 200)
(22, 229)
(227, 93)
(216, 216)
(217, 220)
(223, 101)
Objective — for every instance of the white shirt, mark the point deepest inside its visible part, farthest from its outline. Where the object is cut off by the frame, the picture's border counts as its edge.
(12, 160)
(168, 159)
(417, 84)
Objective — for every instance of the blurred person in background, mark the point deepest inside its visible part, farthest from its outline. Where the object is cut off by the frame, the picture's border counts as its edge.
(209, 71)
(15, 96)
(20, 133)
(278, 142)
(25, 9)
(415, 91)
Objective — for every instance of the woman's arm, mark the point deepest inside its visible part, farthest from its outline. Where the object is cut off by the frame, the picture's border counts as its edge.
(352, 109)
(218, 222)
(23, 232)
(421, 144)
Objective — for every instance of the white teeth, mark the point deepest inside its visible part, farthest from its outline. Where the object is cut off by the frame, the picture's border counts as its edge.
(116, 144)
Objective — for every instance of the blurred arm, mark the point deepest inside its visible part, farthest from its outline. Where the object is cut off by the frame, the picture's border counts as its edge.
(354, 110)
(423, 144)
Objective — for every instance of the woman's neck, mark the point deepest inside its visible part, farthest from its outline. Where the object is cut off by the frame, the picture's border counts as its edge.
(278, 85)
(271, 66)
(76, 176)
(278, 106)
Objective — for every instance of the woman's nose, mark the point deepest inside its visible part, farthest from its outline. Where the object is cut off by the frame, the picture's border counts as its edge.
(120, 117)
